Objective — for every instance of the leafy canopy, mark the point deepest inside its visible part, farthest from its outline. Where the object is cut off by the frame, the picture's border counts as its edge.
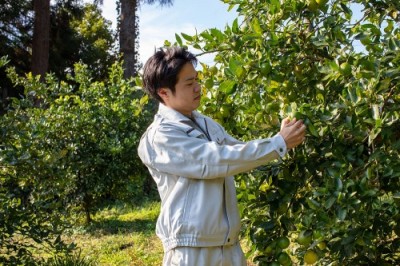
(337, 69)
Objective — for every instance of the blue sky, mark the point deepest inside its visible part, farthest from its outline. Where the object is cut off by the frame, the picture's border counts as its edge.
(161, 23)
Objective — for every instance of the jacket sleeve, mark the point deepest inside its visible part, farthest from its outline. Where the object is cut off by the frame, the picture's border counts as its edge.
(172, 151)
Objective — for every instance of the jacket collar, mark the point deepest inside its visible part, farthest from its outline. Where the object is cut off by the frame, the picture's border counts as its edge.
(171, 114)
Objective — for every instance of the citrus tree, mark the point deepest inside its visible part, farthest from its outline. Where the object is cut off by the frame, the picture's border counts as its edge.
(74, 153)
(335, 65)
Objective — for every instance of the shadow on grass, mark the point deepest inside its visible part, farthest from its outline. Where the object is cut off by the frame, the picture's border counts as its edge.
(115, 226)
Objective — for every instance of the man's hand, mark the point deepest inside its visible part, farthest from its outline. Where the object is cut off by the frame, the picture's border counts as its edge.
(293, 132)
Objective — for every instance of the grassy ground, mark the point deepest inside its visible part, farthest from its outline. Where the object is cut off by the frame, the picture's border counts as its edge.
(121, 236)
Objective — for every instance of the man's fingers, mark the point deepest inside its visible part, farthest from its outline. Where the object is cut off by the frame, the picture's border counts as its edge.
(292, 122)
(301, 127)
(285, 121)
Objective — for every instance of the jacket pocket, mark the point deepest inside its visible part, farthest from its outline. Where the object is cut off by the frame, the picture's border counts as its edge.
(219, 137)
(216, 134)
(194, 133)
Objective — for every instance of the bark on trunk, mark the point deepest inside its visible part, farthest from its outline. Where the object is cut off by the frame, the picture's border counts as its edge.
(128, 34)
(41, 38)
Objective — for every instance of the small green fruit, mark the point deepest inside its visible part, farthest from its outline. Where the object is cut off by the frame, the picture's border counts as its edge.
(283, 242)
(313, 6)
(345, 68)
(305, 237)
(310, 257)
(284, 259)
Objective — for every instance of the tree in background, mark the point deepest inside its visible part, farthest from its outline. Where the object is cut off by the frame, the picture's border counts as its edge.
(71, 39)
(41, 37)
(129, 32)
(336, 199)
(80, 34)
(15, 26)
(67, 44)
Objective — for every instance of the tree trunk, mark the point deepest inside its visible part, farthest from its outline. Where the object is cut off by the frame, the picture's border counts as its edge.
(128, 36)
(87, 206)
(41, 38)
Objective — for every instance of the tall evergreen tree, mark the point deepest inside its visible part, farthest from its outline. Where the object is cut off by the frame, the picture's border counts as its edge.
(129, 32)
(41, 37)
(15, 25)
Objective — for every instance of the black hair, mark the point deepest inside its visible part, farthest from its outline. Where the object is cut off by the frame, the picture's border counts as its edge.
(161, 70)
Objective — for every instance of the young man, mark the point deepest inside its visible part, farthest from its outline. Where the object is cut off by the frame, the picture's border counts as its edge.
(192, 159)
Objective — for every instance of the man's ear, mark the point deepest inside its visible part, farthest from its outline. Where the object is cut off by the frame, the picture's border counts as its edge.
(163, 93)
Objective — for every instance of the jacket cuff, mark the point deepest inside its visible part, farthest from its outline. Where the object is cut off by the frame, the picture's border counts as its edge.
(280, 145)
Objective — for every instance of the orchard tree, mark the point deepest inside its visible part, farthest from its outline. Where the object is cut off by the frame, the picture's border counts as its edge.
(31, 204)
(334, 64)
(76, 154)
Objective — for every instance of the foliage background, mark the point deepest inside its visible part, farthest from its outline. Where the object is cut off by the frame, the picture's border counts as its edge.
(297, 59)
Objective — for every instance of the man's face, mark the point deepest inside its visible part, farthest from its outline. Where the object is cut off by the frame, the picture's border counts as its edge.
(187, 92)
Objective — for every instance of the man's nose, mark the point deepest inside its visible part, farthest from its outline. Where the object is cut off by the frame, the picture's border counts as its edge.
(197, 87)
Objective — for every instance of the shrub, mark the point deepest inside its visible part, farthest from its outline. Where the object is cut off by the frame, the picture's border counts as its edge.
(63, 146)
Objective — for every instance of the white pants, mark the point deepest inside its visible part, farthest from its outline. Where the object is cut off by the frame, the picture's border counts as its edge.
(205, 256)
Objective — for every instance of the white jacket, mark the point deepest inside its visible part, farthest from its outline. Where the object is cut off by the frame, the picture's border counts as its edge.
(194, 176)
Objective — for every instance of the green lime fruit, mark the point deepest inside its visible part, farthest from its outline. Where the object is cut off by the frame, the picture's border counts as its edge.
(209, 83)
(313, 5)
(310, 257)
(345, 68)
(213, 70)
(321, 245)
(305, 237)
(321, 2)
(284, 259)
(283, 242)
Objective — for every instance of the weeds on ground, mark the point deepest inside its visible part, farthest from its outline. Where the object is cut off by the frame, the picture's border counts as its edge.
(121, 235)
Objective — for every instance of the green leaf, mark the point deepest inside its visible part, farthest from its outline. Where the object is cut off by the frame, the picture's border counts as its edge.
(217, 33)
(346, 9)
(233, 64)
(341, 213)
(206, 35)
(178, 39)
(187, 37)
(275, 6)
(313, 131)
(228, 86)
(235, 26)
(255, 25)
(313, 204)
(370, 28)
(144, 99)
(328, 203)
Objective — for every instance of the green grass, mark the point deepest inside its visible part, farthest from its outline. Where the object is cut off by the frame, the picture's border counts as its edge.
(121, 235)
